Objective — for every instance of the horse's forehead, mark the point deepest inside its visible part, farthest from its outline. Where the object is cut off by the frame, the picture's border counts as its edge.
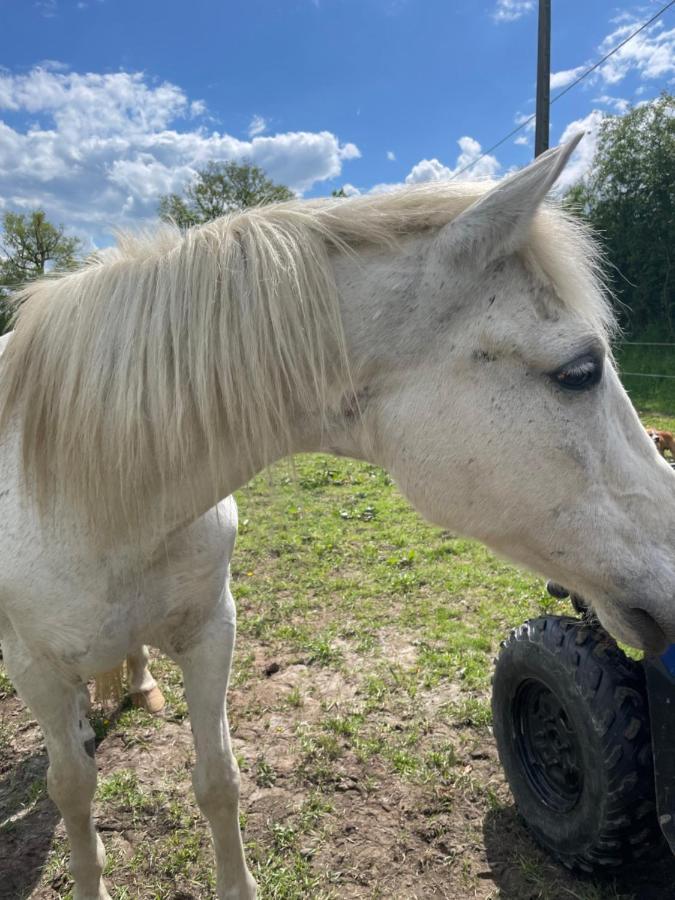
(520, 279)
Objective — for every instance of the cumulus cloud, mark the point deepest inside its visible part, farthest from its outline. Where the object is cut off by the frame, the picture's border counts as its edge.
(565, 77)
(391, 156)
(256, 126)
(582, 159)
(651, 53)
(350, 190)
(97, 151)
(526, 119)
(510, 10)
(470, 166)
(618, 104)
(470, 159)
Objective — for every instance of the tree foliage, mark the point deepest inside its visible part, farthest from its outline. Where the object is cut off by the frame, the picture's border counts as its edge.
(30, 246)
(629, 198)
(218, 189)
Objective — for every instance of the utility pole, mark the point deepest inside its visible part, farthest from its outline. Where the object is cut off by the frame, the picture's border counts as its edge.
(543, 78)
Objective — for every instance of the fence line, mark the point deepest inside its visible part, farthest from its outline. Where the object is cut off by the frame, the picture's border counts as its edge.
(646, 344)
(644, 375)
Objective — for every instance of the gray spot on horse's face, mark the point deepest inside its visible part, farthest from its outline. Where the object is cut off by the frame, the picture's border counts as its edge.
(576, 454)
(355, 404)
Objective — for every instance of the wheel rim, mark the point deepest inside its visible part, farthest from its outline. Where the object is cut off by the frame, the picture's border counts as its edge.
(548, 748)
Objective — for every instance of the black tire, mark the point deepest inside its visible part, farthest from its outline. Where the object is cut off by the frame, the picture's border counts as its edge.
(572, 730)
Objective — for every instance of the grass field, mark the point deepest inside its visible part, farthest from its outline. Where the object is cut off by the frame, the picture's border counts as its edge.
(648, 393)
(360, 713)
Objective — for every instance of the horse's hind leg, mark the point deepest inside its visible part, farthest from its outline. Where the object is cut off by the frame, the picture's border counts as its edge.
(142, 686)
(206, 669)
(60, 707)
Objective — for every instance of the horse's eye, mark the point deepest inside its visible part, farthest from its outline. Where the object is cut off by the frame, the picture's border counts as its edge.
(580, 374)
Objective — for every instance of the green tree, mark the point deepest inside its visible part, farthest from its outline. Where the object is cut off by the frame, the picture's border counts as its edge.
(29, 247)
(218, 189)
(629, 198)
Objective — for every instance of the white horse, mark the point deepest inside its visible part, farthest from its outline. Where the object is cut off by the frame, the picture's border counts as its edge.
(403, 329)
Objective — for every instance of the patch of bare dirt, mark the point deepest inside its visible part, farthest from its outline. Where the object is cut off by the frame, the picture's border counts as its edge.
(387, 836)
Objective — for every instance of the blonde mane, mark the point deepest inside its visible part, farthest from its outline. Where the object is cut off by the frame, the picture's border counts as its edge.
(161, 351)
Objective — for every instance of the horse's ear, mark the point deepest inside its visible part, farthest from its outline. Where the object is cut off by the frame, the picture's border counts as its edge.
(498, 223)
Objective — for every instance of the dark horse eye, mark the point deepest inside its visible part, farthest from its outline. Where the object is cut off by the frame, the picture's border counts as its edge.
(583, 372)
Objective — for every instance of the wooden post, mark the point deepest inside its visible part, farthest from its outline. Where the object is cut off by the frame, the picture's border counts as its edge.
(541, 134)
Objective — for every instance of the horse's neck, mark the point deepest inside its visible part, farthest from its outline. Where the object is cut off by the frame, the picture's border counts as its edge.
(183, 502)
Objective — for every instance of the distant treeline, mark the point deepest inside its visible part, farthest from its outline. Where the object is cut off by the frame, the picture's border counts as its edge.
(629, 198)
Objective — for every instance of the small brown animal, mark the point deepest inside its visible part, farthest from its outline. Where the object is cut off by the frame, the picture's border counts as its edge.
(663, 440)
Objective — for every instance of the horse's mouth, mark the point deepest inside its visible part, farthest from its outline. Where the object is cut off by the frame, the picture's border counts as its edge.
(653, 639)
(636, 627)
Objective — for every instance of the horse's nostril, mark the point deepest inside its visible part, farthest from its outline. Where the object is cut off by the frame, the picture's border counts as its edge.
(653, 636)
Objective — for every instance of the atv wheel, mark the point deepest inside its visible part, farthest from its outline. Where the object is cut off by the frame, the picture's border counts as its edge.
(572, 730)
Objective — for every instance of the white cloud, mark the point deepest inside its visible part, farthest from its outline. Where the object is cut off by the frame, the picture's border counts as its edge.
(391, 156)
(582, 159)
(257, 126)
(433, 170)
(350, 190)
(53, 65)
(522, 140)
(97, 151)
(510, 10)
(650, 53)
(565, 77)
(618, 104)
(428, 170)
(526, 119)
(470, 152)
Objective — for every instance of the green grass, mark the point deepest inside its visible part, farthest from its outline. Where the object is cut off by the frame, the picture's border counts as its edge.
(649, 395)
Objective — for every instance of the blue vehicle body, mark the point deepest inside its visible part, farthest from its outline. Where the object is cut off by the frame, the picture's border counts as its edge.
(660, 674)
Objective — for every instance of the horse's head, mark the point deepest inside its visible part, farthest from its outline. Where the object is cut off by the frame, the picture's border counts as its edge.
(489, 391)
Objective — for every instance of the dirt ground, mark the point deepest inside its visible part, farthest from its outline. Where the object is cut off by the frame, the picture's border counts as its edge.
(372, 832)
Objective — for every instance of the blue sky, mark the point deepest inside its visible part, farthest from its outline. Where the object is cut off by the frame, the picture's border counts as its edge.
(107, 104)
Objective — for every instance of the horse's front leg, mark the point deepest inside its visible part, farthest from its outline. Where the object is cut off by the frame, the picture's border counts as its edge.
(142, 686)
(60, 706)
(206, 669)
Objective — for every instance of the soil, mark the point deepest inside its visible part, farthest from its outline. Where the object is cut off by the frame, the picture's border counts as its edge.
(387, 837)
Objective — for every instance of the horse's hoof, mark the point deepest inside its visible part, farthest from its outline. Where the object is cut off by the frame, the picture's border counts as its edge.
(102, 894)
(151, 701)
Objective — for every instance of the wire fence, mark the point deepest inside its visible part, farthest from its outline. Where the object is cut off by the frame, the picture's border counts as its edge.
(647, 369)
(647, 344)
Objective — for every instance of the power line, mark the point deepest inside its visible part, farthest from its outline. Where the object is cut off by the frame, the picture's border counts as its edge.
(569, 87)
(612, 52)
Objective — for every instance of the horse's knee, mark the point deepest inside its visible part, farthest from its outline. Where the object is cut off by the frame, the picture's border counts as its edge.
(216, 784)
(71, 782)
